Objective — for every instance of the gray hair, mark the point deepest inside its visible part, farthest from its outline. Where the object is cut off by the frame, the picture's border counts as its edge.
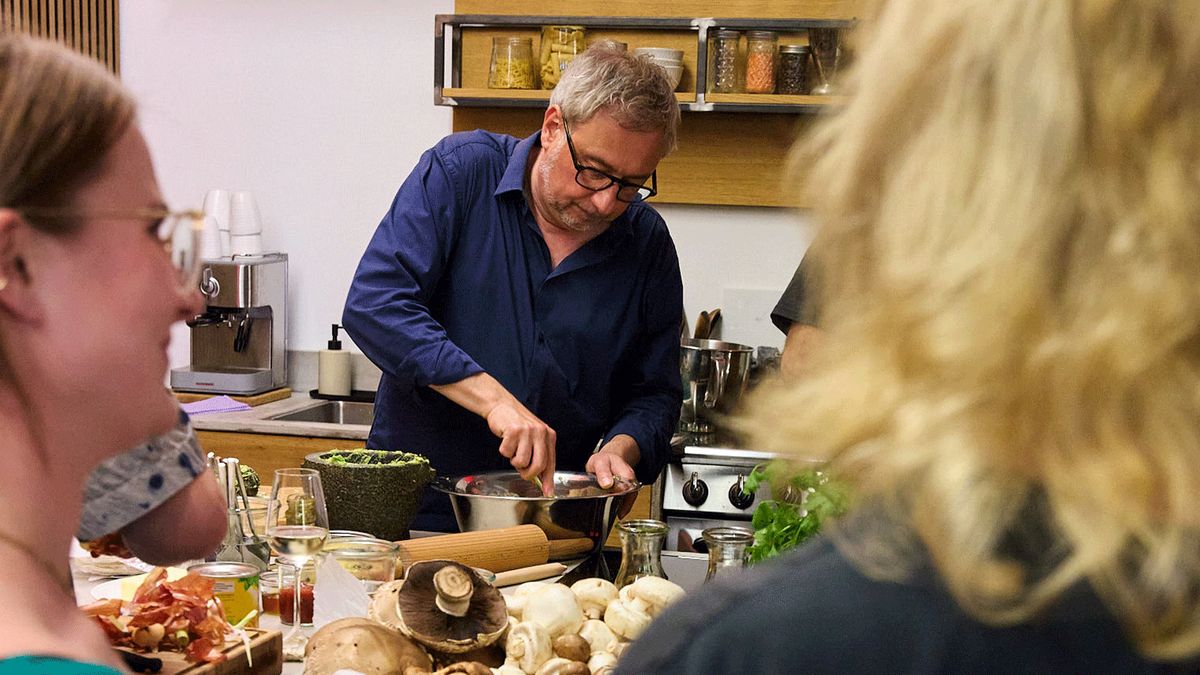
(633, 89)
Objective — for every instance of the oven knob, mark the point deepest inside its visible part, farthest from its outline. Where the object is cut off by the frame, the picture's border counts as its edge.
(695, 491)
(737, 497)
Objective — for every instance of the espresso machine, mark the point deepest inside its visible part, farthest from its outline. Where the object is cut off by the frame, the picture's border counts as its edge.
(239, 343)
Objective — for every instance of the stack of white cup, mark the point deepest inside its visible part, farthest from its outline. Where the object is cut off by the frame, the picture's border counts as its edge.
(216, 224)
(245, 225)
(232, 225)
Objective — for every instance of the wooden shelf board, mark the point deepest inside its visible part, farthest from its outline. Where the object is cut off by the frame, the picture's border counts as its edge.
(525, 94)
(763, 9)
(775, 99)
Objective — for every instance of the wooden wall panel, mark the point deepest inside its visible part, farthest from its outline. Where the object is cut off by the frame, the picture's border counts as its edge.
(762, 9)
(91, 27)
(731, 159)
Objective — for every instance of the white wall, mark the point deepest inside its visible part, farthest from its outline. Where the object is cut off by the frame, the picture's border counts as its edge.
(321, 107)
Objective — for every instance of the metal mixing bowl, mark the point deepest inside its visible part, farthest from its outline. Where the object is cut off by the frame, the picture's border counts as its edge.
(579, 508)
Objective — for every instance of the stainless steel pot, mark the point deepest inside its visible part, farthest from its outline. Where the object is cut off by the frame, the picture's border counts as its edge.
(579, 508)
(714, 379)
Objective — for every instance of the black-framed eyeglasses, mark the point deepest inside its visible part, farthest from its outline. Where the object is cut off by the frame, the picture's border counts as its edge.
(182, 245)
(597, 181)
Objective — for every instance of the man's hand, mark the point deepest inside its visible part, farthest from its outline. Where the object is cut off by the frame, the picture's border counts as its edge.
(527, 442)
(616, 458)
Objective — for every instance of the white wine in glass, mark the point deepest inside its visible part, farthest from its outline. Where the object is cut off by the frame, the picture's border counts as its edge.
(297, 526)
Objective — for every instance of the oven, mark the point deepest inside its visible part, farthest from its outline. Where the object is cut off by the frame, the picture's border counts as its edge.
(701, 487)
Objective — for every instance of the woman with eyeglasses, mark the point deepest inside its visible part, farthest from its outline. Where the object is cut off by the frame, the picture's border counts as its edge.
(93, 273)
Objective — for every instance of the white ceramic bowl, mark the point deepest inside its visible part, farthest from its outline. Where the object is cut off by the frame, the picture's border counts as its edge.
(661, 53)
(674, 74)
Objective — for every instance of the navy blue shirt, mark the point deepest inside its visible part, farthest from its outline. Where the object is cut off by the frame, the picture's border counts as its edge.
(457, 280)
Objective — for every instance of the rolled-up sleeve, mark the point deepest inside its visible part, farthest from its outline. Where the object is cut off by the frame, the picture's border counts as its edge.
(387, 310)
(655, 391)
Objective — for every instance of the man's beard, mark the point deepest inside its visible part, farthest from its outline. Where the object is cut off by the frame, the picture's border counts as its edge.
(561, 209)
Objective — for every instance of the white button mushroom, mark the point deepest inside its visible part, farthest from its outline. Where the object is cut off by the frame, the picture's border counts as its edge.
(594, 595)
(516, 601)
(598, 635)
(626, 619)
(602, 663)
(657, 593)
(508, 668)
(528, 646)
(554, 607)
(561, 666)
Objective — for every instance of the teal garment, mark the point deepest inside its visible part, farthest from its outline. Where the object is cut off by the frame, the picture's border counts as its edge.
(51, 665)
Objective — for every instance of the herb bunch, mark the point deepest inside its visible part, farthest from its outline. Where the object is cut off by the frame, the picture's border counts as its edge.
(804, 501)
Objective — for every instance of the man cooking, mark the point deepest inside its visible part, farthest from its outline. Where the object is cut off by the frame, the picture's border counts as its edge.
(522, 301)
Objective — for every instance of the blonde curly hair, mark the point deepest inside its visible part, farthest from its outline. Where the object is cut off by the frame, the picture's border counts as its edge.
(1009, 265)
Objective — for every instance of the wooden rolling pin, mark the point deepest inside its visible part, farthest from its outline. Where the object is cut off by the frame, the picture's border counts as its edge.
(499, 550)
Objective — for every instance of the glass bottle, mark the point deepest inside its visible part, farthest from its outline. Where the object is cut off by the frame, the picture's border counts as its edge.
(760, 61)
(793, 70)
(728, 550)
(641, 550)
(724, 61)
(512, 63)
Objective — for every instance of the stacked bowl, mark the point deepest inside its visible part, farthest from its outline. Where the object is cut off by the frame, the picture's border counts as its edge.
(671, 61)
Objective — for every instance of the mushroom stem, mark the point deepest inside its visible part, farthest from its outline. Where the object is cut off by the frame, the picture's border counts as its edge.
(454, 589)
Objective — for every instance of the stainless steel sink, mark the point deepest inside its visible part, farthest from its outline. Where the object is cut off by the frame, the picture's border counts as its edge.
(331, 412)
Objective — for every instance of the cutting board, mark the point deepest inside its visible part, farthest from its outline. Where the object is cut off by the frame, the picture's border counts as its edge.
(266, 650)
(257, 399)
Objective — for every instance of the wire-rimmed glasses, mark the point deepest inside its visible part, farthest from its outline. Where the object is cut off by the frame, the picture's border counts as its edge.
(182, 244)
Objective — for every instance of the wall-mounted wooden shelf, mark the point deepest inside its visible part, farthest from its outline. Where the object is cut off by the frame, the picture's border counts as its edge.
(470, 38)
(515, 98)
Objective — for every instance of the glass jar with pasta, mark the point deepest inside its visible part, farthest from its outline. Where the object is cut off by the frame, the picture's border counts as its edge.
(560, 45)
(512, 63)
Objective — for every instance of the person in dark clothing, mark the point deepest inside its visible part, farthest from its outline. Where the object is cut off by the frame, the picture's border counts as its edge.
(523, 301)
(796, 315)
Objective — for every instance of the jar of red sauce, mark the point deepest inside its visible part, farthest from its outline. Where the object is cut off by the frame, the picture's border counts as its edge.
(287, 595)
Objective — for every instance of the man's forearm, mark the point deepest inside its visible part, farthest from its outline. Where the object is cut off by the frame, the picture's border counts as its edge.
(480, 393)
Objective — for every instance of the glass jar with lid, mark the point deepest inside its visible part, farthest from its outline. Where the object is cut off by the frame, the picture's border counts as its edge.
(793, 69)
(560, 45)
(760, 61)
(512, 63)
(723, 61)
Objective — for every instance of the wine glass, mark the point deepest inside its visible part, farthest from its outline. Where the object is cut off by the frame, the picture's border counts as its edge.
(824, 43)
(297, 525)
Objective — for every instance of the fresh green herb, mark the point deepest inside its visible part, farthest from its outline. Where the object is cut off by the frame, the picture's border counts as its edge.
(378, 457)
(802, 503)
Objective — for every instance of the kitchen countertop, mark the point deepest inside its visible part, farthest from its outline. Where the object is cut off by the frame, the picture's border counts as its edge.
(255, 421)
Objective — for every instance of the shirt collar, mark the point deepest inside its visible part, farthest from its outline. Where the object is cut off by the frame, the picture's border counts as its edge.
(514, 174)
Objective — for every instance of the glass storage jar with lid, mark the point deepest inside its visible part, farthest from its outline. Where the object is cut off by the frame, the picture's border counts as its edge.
(723, 61)
(512, 63)
(560, 45)
(793, 70)
(760, 61)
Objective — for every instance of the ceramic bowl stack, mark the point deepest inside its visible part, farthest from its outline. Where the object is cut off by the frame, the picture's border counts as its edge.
(671, 61)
